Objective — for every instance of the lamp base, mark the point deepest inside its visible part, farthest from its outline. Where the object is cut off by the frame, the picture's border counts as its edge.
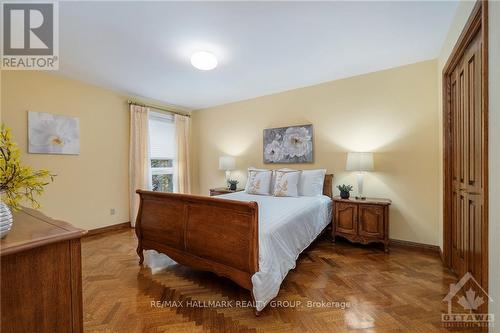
(360, 177)
(228, 177)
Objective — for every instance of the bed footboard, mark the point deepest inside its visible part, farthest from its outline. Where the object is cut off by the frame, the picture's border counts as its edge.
(220, 236)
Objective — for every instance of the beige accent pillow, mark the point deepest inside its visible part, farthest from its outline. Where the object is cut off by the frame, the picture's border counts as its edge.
(286, 183)
(259, 182)
(273, 178)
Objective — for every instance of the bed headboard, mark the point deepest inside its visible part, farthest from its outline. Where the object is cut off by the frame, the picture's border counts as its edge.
(327, 185)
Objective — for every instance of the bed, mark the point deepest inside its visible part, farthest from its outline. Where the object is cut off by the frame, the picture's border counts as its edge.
(253, 240)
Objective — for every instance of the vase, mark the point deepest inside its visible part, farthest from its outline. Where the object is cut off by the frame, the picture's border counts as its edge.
(5, 219)
(232, 187)
(344, 195)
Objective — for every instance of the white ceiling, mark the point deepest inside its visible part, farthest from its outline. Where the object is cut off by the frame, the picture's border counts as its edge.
(143, 48)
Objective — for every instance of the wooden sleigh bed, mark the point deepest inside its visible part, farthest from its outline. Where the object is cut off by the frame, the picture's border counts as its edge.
(206, 233)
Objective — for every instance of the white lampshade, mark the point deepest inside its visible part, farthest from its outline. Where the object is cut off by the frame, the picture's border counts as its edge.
(227, 163)
(359, 162)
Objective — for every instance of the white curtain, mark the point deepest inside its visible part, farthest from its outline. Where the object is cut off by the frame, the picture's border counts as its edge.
(182, 133)
(139, 156)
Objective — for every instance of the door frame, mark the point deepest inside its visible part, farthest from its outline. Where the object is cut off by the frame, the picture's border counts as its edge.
(477, 20)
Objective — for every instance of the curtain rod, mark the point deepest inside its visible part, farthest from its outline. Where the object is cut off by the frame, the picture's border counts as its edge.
(158, 108)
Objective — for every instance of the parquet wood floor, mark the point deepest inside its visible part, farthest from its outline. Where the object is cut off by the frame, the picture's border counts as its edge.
(397, 292)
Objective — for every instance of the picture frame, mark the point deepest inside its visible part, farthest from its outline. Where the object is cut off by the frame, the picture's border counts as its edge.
(53, 134)
(287, 145)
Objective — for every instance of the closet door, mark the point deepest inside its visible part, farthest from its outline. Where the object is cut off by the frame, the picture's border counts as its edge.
(459, 222)
(473, 184)
(468, 135)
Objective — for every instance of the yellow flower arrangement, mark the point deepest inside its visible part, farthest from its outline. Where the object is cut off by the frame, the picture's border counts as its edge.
(18, 182)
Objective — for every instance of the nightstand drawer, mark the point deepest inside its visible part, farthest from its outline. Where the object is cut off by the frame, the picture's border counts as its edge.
(346, 217)
(371, 221)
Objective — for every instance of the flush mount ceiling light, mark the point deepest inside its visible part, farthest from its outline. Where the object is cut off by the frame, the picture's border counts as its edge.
(204, 60)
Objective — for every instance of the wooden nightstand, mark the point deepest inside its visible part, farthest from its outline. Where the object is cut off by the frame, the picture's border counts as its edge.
(223, 190)
(362, 221)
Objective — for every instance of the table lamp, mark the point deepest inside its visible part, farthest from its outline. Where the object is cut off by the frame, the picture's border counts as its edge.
(359, 162)
(227, 163)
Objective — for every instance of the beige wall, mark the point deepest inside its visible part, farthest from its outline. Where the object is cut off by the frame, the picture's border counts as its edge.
(87, 186)
(392, 113)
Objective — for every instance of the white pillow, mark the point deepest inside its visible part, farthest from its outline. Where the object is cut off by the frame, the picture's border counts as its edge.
(259, 182)
(311, 182)
(286, 184)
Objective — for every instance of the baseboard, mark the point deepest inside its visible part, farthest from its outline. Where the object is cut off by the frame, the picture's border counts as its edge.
(108, 228)
(416, 246)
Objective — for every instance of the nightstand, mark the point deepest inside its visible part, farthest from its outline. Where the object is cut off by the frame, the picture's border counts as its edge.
(362, 221)
(223, 190)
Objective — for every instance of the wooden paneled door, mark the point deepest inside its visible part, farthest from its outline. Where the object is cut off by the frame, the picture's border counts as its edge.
(347, 216)
(467, 131)
(465, 149)
(371, 221)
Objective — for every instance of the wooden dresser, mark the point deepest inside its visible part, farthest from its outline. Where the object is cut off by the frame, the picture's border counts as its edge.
(362, 221)
(41, 278)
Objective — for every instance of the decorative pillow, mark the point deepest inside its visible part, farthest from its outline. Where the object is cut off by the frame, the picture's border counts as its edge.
(311, 182)
(286, 184)
(248, 177)
(259, 182)
(273, 178)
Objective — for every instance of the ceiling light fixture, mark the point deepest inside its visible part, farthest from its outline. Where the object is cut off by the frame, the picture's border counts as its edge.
(204, 60)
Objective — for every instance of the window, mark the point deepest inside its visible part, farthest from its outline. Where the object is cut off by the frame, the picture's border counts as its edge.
(162, 152)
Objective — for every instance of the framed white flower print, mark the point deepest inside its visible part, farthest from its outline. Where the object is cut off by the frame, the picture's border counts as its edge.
(53, 134)
(293, 144)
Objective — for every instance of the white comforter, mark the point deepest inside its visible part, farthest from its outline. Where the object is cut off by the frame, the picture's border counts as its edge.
(286, 227)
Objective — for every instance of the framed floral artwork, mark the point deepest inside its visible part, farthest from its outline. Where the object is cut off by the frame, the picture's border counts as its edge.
(53, 134)
(293, 144)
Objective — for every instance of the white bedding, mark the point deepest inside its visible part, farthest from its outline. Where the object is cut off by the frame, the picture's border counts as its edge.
(287, 225)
